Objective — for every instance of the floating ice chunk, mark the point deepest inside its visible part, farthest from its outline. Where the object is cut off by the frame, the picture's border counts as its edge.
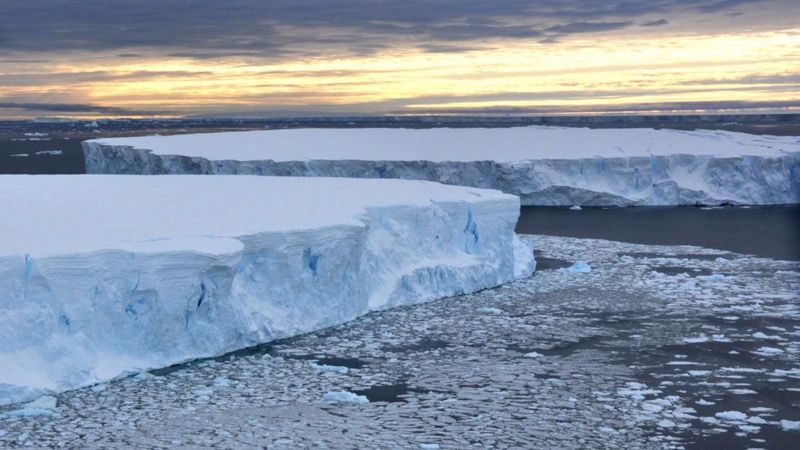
(756, 420)
(19, 155)
(222, 382)
(489, 310)
(750, 428)
(533, 355)
(790, 425)
(704, 402)
(768, 337)
(762, 409)
(742, 391)
(327, 368)
(429, 446)
(578, 267)
(43, 406)
(575, 208)
(768, 351)
(695, 339)
(49, 152)
(43, 402)
(344, 397)
(731, 416)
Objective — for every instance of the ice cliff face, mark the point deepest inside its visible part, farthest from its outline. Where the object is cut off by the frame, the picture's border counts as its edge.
(543, 166)
(116, 274)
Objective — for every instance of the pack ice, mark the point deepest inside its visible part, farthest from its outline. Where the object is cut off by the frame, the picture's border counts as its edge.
(104, 275)
(542, 165)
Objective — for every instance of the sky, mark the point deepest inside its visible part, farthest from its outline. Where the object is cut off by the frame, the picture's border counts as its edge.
(103, 58)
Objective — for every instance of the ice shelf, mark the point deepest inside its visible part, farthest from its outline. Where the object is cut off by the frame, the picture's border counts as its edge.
(542, 165)
(106, 275)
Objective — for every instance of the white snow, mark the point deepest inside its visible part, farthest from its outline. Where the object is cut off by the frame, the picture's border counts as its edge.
(458, 144)
(344, 397)
(107, 275)
(543, 165)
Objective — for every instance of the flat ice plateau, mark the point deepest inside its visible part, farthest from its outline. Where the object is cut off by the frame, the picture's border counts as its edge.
(106, 275)
(542, 165)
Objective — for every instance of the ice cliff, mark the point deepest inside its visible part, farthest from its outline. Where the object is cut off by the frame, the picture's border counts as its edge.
(103, 275)
(542, 165)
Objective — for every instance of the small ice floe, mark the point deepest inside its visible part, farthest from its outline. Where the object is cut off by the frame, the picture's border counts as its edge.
(19, 155)
(41, 407)
(50, 152)
(344, 397)
(768, 351)
(326, 368)
(533, 355)
(731, 416)
(790, 425)
(578, 267)
(767, 337)
(35, 134)
(762, 409)
(704, 402)
(699, 373)
(222, 382)
(695, 339)
(488, 310)
(575, 208)
(429, 446)
(665, 423)
(742, 391)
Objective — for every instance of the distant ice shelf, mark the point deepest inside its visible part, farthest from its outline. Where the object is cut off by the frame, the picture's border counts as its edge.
(542, 165)
(104, 275)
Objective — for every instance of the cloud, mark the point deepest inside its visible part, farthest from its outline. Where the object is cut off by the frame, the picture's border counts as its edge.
(278, 29)
(688, 107)
(586, 27)
(655, 23)
(74, 108)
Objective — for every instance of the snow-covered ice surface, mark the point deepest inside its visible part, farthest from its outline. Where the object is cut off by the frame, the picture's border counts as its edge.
(590, 360)
(102, 275)
(542, 165)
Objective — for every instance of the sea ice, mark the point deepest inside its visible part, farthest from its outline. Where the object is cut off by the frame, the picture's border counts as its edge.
(344, 397)
(578, 267)
(790, 425)
(731, 416)
(327, 368)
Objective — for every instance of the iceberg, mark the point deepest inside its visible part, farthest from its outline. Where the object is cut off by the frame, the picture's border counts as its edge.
(103, 276)
(542, 165)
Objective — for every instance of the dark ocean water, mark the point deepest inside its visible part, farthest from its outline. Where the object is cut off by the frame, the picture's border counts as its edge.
(767, 231)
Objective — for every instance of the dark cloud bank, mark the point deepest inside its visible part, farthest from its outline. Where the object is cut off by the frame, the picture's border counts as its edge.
(263, 28)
